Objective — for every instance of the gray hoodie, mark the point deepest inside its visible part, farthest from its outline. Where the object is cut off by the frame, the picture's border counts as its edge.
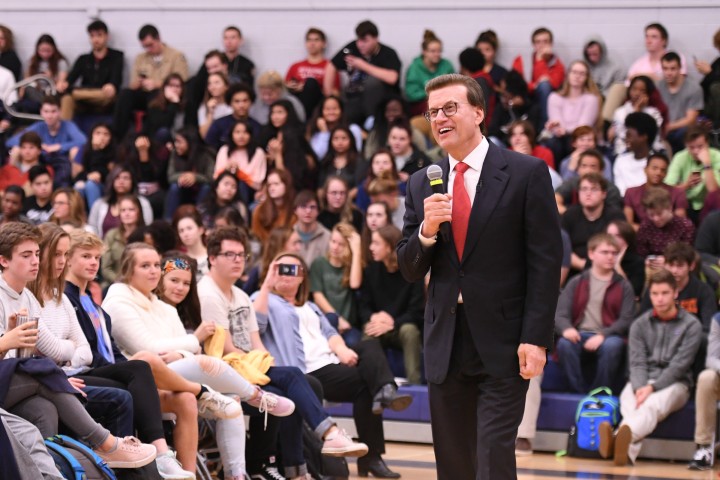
(606, 72)
(662, 352)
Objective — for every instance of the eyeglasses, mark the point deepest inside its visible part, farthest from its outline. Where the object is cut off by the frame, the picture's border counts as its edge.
(449, 109)
(232, 256)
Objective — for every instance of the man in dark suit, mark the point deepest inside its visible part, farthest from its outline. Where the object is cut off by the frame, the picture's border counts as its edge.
(493, 285)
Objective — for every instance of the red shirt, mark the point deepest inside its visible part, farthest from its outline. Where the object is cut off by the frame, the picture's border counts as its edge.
(301, 71)
(554, 69)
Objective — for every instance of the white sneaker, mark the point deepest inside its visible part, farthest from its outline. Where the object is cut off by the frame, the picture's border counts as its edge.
(219, 405)
(129, 452)
(170, 468)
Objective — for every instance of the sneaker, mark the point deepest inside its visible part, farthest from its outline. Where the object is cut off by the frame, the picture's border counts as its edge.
(267, 472)
(217, 404)
(623, 438)
(339, 444)
(272, 404)
(523, 447)
(702, 460)
(169, 467)
(129, 452)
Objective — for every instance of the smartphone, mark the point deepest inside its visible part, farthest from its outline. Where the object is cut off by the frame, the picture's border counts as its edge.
(652, 257)
(346, 51)
(289, 270)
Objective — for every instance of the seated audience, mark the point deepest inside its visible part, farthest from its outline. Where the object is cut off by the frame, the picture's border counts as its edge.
(660, 374)
(385, 189)
(336, 204)
(391, 309)
(608, 74)
(629, 264)
(581, 139)
(275, 210)
(589, 217)
(95, 78)
(543, 70)
(46, 60)
(390, 110)
(145, 323)
(240, 97)
(590, 161)
(683, 98)
(305, 79)
(61, 141)
(165, 110)
(149, 71)
(382, 163)
(225, 193)
(655, 172)
(513, 104)
(270, 89)
(296, 333)
(68, 210)
(97, 159)
(8, 56)
(696, 169)
(189, 170)
(706, 398)
(130, 212)
(37, 207)
(576, 104)
(105, 213)
(642, 96)
(593, 315)
(488, 44)
(328, 115)
(694, 295)
(650, 64)
(662, 227)
(148, 161)
(523, 139)
(710, 83)
(336, 276)
(20, 260)
(213, 104)
(17, 170)
(187, 222)
(426, 66)
(373, 71)
(11, 206)
(243, 157)
(281, 240)
(376, 217)
(287, 147)
(629, 167)
(408, 158)
(342, 158)
(314, 237)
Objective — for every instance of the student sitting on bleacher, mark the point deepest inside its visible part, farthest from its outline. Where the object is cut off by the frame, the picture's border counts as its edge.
(593, 315)
(662, 346)
(707, 395)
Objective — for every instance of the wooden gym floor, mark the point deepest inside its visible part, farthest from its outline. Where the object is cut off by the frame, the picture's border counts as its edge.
(417, 462)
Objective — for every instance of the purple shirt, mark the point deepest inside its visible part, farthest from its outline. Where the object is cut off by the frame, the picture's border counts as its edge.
(652, 240)
(633, 199)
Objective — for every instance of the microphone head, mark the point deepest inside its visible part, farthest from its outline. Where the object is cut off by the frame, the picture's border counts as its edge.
(434, 172)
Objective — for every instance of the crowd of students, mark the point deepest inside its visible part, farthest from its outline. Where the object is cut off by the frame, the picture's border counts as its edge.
(165, 203)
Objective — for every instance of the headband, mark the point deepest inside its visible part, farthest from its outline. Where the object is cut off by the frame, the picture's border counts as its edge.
(175, 264)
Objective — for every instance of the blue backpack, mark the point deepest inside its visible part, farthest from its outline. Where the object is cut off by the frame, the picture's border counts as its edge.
(599, 406)
(76, 461)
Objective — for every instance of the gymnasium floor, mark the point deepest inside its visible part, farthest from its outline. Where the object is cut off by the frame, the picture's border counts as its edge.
(417, 462)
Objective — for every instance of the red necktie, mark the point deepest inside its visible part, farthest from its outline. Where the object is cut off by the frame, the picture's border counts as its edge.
(460, 208)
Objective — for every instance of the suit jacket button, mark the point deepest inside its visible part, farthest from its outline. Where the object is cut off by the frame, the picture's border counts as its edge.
(452, 310)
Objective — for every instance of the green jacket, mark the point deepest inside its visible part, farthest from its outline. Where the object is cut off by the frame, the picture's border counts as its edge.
(418, 75)
(682, 165)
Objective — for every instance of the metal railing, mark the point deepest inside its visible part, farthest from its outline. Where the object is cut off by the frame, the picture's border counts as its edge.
(50, 89)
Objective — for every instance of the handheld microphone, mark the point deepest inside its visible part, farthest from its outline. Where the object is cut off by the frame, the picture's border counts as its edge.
(434, 174)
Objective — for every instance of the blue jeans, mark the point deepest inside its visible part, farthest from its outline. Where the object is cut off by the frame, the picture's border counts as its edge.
(542, 92)
(92, 191)
(291, 383)
(112, 408)
(178, 195)
(608, 360)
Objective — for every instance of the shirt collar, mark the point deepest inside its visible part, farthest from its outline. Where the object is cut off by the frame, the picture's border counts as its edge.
(475, 158)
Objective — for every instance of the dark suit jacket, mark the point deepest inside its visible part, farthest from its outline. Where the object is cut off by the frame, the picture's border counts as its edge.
(510, 271)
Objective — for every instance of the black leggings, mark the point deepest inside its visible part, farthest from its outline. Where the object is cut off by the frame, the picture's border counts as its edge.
(136, 377)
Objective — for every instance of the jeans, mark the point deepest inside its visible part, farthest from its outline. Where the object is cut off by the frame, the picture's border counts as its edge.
(291, 383)
(542, 92)
(112, 408)
(93, 191)
(608, 359)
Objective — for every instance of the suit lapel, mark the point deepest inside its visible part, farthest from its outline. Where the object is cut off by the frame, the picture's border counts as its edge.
(492, 184)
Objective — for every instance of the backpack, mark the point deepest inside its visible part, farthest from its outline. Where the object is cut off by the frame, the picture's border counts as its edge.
(76, 461)
(599, 406)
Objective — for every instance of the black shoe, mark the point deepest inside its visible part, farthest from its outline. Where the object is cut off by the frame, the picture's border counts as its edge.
(387, 397)
(267, 472)
(376, 466)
